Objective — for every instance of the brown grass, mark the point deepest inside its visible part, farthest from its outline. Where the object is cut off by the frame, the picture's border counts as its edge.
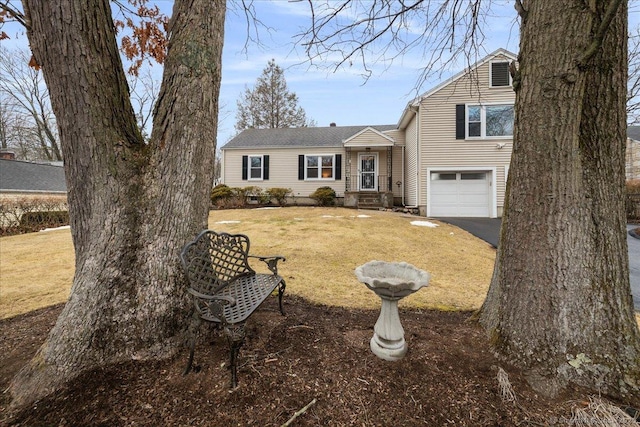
(323, 246)
(36, 270)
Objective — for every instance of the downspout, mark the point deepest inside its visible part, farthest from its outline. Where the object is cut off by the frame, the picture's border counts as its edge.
(403, 173)
(417, 110)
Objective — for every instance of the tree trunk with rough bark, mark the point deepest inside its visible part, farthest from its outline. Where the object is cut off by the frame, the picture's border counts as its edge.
(559, 305)
(132, 205)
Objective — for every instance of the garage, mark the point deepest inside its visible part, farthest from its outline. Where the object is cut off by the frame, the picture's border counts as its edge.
(460, 193)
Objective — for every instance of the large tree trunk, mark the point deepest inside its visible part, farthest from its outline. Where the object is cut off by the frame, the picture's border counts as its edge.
(560, 304)
(132, 205)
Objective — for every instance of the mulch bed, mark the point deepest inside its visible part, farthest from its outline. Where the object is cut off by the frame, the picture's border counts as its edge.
(447, 378)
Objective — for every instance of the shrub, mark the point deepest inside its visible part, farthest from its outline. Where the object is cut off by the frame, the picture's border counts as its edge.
(26, 214)
(324, 196)
(221, 193)
(279, 194)
(44, 219)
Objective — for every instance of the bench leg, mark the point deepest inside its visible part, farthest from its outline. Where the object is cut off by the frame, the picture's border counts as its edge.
(281, 288)
(235, 335)
(192, 332)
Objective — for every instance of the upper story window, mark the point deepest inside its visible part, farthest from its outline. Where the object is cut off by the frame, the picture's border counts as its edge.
(489, 121)
(499, 74)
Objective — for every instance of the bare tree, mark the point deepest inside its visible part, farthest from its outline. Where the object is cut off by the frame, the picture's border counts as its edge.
(559, 304)
(24, 87)
(144, 89)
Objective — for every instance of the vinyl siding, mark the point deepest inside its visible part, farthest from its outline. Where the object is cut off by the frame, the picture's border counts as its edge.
(439, 146)
(411, 165)
(283, 169)
(368, 138)
(396, 161)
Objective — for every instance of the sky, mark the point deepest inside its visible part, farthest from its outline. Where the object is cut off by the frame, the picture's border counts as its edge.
(341, 96)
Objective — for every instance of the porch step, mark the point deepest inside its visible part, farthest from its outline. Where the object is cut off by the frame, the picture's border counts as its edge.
(369, 201)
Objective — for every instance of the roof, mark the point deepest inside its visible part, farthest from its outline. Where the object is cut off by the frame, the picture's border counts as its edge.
(20, 176)
(331, 136)
(633, 132)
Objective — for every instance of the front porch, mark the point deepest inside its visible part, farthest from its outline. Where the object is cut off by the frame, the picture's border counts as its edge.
(368, 177)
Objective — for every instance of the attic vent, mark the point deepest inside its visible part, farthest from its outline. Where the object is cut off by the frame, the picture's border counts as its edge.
(332, 124)
(499, 74)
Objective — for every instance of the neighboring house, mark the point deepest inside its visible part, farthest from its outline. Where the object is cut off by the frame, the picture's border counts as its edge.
(632, 154)
(27, 179)
(447, 156)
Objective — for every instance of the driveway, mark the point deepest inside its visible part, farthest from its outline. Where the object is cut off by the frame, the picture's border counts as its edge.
(488, 229)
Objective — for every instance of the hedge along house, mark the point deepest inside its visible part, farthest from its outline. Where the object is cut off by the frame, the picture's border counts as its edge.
(448, 155)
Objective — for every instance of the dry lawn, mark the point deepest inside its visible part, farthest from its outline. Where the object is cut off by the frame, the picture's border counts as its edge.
(322, 246)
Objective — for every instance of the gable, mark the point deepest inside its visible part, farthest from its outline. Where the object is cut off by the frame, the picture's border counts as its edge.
(491, 72)
(369, 137)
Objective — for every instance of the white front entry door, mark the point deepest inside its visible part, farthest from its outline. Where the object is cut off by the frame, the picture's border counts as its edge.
(368, 171)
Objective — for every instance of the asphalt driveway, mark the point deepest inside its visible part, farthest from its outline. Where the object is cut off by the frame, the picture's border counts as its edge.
(488, 229)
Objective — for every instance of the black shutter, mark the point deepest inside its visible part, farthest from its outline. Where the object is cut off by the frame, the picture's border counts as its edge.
(338, 166)
(460, 110)
(499, 74)
(245, 165)
(301, 167)
(265, 167)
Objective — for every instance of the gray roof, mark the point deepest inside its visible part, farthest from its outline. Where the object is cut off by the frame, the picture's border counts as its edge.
(633, 132)
(17, 175)
(331, 136)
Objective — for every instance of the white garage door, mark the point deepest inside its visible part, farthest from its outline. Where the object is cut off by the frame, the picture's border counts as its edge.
(464, 194)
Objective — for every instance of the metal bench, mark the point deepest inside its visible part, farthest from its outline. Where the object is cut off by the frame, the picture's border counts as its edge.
(225, 289)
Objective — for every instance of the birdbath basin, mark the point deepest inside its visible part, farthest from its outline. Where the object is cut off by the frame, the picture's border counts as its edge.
(391, 281)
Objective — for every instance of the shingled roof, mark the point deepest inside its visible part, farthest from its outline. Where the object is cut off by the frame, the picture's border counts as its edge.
(20, 176)
(633, 132)
(331, 136)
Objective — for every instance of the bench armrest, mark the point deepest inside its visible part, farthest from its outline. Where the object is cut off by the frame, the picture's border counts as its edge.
(229, 300)
(271, 261)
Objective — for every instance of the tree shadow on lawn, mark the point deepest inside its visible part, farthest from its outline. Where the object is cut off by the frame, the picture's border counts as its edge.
(314, 352)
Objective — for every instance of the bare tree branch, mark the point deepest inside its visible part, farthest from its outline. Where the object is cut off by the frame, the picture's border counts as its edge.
(382, 31)
(14, 13)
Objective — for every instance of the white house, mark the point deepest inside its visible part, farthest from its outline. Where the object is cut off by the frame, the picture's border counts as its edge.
(448, 155)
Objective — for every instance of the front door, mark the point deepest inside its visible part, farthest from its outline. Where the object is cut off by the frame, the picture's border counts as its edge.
(368, 174)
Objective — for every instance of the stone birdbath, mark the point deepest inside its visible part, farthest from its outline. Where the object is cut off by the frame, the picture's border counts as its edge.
(391, 281)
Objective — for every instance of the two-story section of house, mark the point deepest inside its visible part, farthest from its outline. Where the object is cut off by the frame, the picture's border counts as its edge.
(458, 139)
(448, 155)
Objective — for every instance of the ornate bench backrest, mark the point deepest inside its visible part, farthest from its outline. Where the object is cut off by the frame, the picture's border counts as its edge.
(213, 260)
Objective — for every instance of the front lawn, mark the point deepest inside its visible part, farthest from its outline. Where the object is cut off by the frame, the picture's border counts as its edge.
(322, 246)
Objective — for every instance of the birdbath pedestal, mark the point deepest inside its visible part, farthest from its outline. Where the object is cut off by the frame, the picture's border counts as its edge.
(391, 281)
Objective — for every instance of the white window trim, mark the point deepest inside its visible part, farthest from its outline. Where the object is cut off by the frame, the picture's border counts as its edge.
(493, 203)
(491, 74)
(483, 121)
(320, 178)
(249, 178)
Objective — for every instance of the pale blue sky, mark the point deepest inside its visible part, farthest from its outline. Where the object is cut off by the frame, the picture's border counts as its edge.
(342, 96)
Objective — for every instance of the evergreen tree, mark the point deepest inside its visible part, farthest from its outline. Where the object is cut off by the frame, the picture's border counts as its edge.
(269, 104)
